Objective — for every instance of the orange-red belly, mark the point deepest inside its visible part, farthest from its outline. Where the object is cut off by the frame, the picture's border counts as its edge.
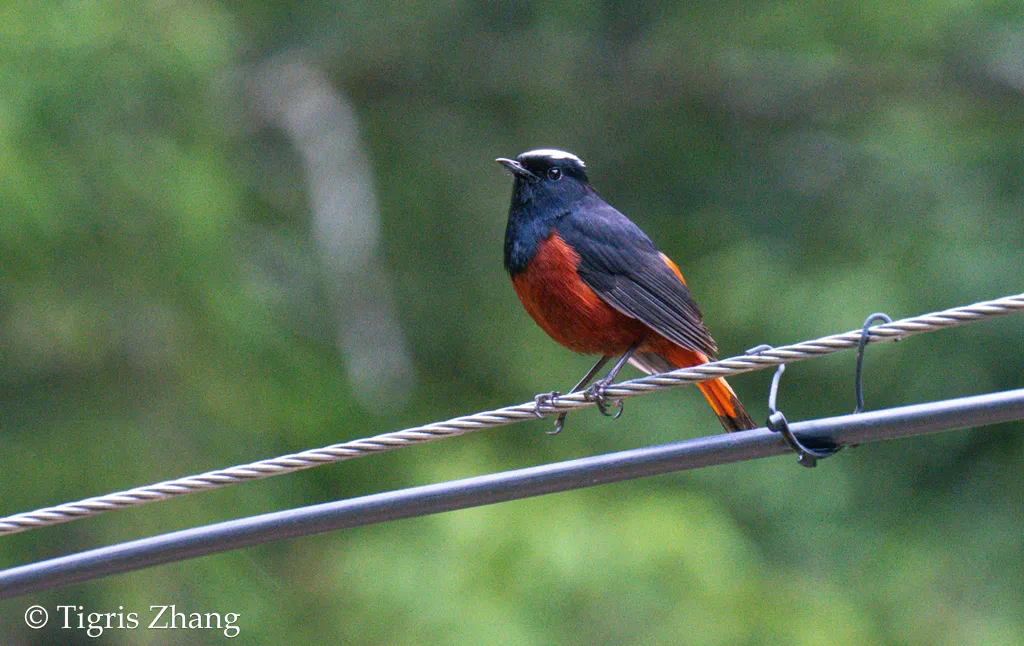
(567, 308)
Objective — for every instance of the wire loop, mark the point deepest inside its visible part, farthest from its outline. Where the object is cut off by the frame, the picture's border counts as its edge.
(805, 456)
(865, 334)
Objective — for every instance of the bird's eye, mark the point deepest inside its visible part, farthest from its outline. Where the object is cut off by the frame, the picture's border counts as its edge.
(554, 173)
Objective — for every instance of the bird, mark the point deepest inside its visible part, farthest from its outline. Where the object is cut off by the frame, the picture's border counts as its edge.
(596, 283)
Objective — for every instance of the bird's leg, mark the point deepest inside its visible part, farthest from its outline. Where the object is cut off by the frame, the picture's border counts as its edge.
(552, 396)
(596, 392)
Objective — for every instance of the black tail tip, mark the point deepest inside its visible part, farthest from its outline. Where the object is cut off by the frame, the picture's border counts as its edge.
(739, 422)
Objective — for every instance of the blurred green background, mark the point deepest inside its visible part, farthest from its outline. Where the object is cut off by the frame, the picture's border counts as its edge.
(235, 230)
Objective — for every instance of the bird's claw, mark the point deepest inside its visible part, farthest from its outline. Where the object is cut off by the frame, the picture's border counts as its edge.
(593, 394)
(559, 425)
(596, 394)
(546, 400)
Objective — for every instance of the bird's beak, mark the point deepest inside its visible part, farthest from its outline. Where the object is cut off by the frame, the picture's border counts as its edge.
(515, 168)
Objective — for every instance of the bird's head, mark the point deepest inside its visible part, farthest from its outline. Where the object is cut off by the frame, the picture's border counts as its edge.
(546, 166)
(551, 177)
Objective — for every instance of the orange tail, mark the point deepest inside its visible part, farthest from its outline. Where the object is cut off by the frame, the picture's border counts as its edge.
(665, 356)
(730, 411)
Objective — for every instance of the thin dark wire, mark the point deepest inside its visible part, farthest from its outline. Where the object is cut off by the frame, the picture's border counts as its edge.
(805, 455)
(773, 394)
(701, 452)
(777, 422)
(865, 334)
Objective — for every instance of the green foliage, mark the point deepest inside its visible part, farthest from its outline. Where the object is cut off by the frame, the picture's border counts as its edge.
(166, 308)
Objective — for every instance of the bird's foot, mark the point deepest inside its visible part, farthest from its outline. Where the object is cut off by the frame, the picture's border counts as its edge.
(546, 400)
(596, 394)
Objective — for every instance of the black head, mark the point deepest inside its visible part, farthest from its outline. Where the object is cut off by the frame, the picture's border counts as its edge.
(546, 166)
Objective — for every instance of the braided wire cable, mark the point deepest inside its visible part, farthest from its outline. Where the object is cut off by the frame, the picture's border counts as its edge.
(768, 358)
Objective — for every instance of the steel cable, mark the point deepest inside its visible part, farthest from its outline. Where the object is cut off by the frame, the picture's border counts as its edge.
(767, 358)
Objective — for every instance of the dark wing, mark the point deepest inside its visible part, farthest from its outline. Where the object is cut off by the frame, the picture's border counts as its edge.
(621, 264)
